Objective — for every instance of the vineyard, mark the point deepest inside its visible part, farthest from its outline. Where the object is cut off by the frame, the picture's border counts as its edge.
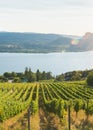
(52, 97)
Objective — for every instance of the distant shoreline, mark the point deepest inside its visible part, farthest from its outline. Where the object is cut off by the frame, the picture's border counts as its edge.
(46, 52)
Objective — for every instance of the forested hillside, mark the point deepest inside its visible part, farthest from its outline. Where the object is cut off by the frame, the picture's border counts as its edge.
(44, 43)
(35, 42)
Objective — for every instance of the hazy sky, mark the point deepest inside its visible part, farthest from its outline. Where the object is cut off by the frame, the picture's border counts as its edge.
(47, 16)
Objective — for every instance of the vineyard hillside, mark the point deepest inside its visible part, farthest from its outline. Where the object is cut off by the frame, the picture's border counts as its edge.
(49, 105)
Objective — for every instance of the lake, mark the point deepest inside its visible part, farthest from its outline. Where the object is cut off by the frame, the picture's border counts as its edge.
(57, 63)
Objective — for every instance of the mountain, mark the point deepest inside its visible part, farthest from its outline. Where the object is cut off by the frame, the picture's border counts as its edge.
(86, 43)
(44, 43)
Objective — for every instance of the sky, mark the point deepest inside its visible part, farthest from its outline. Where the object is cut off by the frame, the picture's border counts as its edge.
(72, 17)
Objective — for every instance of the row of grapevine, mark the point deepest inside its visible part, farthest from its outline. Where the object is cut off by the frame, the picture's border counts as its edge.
(64, 94)
(15, 98)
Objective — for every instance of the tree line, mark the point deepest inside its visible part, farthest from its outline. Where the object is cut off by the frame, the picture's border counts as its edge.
(29, 76)
(26, 76)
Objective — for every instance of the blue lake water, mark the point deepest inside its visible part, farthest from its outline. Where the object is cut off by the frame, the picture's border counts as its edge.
(57, 63)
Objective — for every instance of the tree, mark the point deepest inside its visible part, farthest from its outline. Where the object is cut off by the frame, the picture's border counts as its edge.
(49, 75)
(43, 75)
(76, 75)
(17, 80)
(26, 71)
(7, 74)
(60, 77)
(31, 76)
(90, 79)
(38, 75)
(13, 74)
